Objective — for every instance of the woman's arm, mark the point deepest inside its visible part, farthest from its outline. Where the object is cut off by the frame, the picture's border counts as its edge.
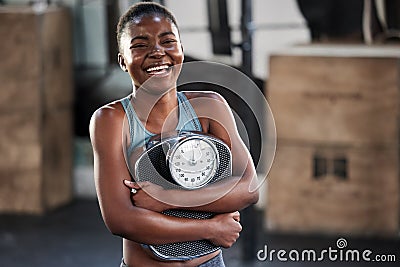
(225, 196)
(132, 222)
(233, 193)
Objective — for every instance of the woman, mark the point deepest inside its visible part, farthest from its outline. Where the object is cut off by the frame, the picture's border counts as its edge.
(151, 52)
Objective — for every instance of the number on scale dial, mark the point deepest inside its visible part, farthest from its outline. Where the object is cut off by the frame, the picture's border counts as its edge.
(193, 162)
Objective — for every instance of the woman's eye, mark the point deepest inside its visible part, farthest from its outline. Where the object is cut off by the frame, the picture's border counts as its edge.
(138, 46)
(169, 41)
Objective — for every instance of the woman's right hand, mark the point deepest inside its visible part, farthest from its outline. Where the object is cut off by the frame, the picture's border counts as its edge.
(225, 229)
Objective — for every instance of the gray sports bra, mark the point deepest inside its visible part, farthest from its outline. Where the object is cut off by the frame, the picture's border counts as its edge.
(139, 135)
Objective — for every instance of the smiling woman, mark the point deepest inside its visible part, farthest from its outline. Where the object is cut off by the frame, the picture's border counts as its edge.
(150, 51)
(149, 44)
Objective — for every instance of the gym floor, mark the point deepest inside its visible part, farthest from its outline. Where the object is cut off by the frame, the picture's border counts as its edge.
(75, 236)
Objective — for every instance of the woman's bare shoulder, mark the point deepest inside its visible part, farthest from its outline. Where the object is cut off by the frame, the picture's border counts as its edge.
(205, 94)
(107, 118)
(111, 111)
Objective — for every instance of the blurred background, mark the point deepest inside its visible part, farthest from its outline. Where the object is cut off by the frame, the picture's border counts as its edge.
(329, 70)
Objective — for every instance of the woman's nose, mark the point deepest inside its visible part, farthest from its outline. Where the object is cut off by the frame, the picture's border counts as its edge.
(157, 51)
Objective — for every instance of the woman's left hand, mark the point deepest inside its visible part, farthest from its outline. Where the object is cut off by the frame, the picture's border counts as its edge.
(145, 195)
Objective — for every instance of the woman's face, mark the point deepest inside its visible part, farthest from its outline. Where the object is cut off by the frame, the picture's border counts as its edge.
(151, 47)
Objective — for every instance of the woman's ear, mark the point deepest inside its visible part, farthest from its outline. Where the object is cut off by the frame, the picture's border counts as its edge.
(121, 62)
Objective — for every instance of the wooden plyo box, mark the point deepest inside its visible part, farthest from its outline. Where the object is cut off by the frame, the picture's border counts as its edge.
(336, 168)
(35, 109)
(308, 192)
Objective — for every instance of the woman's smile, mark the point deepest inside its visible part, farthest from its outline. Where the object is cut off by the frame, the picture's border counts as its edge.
(161, 70)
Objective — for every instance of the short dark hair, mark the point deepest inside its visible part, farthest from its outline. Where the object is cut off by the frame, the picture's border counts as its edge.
(139, 10)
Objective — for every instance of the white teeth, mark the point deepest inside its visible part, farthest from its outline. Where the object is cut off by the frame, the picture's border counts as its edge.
(157, 68)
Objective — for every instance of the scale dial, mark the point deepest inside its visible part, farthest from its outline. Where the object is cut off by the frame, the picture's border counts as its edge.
(193, 162)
